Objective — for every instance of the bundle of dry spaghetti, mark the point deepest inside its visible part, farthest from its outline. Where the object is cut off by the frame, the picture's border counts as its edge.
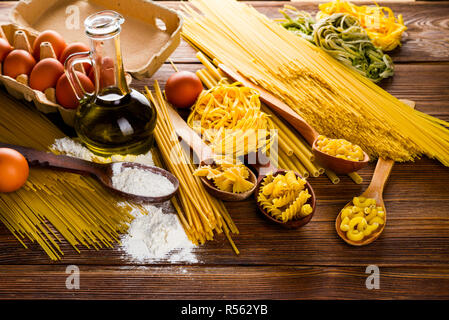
(55, 205)
(334, 99)
(200, 214)
(291, 152)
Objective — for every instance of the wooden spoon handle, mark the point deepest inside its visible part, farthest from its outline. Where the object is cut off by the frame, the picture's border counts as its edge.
(380, 176)
(276, 105)
(263, 170)
(49, 160)
(202, 150)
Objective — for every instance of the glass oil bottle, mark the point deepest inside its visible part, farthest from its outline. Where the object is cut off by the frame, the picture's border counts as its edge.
(114, 119)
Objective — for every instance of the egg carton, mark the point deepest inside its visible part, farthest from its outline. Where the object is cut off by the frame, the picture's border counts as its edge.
(150, 34)
(21, 38)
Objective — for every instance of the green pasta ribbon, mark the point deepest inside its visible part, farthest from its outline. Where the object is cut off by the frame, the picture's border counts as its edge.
(342, 36)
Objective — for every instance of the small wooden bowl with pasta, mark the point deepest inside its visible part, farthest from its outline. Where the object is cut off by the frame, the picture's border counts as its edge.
(271, 209)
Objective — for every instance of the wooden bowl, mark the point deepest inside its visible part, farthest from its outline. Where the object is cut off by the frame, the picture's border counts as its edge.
(338, 165)
(292, 224)
(229, 196)
(142, 199)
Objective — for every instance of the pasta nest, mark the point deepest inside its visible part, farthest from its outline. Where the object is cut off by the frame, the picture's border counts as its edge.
(382, 27)
(229, 118)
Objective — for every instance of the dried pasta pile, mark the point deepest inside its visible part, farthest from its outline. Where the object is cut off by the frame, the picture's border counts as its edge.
(341, 36)
(55, 205)
(284, 196)
(292, 151)
(227, 174)
(384, 29)
(230, 120)
(329, 96)
(200, 214)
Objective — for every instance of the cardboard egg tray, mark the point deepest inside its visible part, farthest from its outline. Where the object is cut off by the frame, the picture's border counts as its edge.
(149, 35)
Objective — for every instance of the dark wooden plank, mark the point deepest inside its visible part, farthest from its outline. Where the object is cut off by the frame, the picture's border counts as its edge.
(308, 263)
(416, 234)
(99, 282)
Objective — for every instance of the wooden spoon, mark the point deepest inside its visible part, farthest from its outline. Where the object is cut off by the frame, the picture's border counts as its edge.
(338, 165)
(263, 171)
(206, 157)
(374, 191)
(103, 172)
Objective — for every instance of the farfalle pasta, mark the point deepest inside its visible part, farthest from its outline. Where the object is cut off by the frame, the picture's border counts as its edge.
(227, 175)
(284, 196)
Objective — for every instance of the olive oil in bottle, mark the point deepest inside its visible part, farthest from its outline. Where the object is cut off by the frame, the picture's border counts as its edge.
(112, 124)
(114, 119)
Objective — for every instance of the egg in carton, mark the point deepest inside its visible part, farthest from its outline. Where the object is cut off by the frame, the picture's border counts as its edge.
(18, 85)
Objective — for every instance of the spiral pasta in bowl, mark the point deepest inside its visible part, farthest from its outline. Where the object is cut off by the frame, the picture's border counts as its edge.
(285, 198)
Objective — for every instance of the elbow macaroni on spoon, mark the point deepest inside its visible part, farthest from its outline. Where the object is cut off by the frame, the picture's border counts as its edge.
(340, 148)
(362, 219)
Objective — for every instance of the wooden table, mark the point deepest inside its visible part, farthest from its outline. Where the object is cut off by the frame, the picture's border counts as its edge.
(310, 263)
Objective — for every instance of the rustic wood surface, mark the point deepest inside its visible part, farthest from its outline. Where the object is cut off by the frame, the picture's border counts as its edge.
(310, 263)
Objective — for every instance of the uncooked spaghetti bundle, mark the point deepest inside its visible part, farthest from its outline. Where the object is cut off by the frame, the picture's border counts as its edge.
(336, 100)
(54, 206)
(200, 214)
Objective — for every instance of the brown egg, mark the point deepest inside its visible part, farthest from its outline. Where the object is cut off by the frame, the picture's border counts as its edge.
(183, 88)
(18, 62)
(64, 92)
(46, 74)
(5, 48)
(72, 48)
(107, 72)
(91, 75)
(57, 42)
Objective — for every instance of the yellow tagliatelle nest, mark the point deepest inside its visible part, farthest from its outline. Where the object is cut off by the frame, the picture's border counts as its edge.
(340, 148)
(383, 28)
(285, 196)
(229, 119)
(228, 175)
(362, 219)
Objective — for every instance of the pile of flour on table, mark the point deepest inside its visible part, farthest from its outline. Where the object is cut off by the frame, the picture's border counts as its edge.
(156, 232)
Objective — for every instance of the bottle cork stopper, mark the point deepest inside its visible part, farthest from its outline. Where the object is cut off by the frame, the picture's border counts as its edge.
(22, 78)
(21, 41)
(46, 51)
(50, 94)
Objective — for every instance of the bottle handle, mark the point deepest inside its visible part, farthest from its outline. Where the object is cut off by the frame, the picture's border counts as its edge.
(69, 68)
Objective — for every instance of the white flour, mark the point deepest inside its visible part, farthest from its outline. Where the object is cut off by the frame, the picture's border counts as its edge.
(155, 233)
(140, 182)
(157, 236)
(72, 148)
